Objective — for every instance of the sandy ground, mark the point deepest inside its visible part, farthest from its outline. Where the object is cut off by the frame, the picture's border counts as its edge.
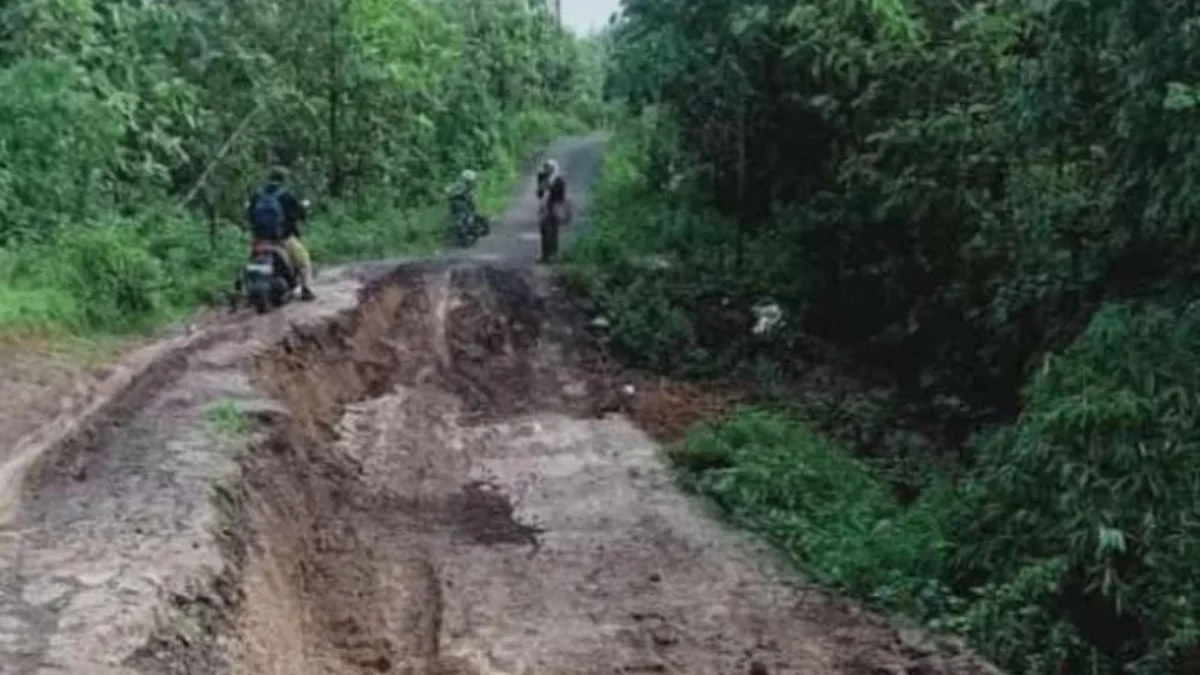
(429, 474)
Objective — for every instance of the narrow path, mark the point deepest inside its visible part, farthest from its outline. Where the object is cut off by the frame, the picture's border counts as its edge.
(434, 483)
(516, 242)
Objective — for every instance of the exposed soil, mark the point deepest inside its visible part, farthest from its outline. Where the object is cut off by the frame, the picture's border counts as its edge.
(38, 381)
(442, 479)
(446, 496)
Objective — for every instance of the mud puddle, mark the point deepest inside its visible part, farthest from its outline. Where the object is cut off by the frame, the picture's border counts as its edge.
(445, 495)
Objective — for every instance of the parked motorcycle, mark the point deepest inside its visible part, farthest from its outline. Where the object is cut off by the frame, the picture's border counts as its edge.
(467, 225)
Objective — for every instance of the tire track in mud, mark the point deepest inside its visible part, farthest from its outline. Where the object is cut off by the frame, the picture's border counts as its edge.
(347, 563)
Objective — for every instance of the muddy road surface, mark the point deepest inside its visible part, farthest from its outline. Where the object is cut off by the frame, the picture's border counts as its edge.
(426, 472)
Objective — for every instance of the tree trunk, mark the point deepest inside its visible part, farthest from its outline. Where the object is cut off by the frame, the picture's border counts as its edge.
(336, 172)
(740, 245)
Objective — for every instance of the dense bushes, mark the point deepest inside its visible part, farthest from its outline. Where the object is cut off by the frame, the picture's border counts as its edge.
(827, 511)
(1068, 548)
(676, 298)
(994, 206)
(1099, 475)
(131, 134)
(957, 171)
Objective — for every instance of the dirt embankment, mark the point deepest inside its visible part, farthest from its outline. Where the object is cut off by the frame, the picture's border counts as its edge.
(447, 494)
(353, 493)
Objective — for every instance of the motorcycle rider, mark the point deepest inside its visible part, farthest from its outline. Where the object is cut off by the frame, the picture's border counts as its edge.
(462, 194)
(552, 212)
(465, 187)
(274, 214)
(462, 205)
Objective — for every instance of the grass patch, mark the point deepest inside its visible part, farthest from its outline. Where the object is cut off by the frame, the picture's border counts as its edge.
(826, 511)
(224, 418)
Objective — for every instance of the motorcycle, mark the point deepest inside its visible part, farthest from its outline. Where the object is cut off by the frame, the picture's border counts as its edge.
(468, 225)
(269, 279)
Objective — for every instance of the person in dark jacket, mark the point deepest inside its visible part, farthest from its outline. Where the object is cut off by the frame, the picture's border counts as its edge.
(260, 212)
(552, 211)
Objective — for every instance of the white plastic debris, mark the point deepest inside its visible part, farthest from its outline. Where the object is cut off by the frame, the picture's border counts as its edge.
(767, 316)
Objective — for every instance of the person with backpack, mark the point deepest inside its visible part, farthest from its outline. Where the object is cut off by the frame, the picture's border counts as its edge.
(274, 214)
(553, 210)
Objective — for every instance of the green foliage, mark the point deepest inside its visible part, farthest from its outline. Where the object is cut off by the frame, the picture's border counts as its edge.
(58, 140)
(225, 419)
(828, 512)
(1099, 473)
(948, 193)
(982, 178)
(657, 267)
(108, 273)
(1068, 549)
(1017, 622)
(132, 133)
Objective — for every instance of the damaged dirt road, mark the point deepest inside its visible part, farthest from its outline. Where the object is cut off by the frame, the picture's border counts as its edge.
(425, 472)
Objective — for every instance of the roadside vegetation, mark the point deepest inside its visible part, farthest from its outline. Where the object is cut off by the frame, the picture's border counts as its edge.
(979, 222)
(131, 134)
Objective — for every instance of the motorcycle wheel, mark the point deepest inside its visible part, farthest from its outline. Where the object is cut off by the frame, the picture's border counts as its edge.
(484, 225)
(260, 297)
(464, 236)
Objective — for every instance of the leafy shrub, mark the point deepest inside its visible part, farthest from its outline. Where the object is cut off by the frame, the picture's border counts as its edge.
(654, 269)
(199, 258)
(58, 141)
(107, 268)
(949, 192)
(1016, 621)
(827, 511)
(44, 310)
(1070, 547)
(373, 228)
(1098, 479)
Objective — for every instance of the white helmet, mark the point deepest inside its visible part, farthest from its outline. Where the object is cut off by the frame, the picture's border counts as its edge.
(550, 166)
(469, 176)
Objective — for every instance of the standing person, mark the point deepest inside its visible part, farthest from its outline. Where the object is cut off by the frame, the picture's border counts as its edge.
(275, 213)
(552, 212)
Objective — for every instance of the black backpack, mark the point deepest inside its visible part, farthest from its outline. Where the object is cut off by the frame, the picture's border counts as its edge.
(267, 217)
